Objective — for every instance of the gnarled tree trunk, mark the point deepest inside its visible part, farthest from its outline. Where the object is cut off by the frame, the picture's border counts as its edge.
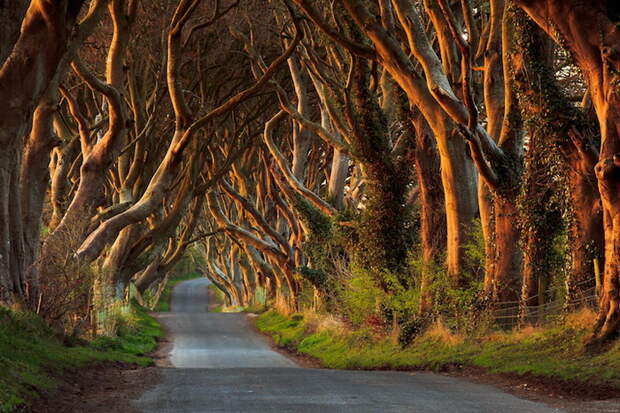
(24, 78)
(590, 31)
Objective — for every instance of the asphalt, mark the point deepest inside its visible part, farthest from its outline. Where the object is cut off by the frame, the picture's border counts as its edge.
(221, 365)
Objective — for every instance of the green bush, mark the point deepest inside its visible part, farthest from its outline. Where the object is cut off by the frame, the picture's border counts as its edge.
(463, 307)
(361, 297)
(136, 334)
(411, 328)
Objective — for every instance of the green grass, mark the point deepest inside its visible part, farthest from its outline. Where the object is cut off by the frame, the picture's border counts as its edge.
(32, 357)
(163, 305)
(136, 338)
(556, 352)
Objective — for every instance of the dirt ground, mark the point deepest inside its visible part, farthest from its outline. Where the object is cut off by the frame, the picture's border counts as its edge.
(98, 389)
(104, 388)
(573, 397)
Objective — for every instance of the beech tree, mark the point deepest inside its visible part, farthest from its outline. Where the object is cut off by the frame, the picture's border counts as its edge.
(452, 156)
(25, 77)
(594, 47)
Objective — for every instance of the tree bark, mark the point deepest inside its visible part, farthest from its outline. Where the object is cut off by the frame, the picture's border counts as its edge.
(34, 177)
(595, 48)
(24, 78)
(458, 173)
(11, 17)
(432, 212)
(493, 92)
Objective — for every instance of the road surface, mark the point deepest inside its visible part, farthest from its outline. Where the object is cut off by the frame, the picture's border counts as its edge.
(221, 365)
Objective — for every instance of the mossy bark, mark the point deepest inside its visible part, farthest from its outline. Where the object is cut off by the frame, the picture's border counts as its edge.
(383, 239)
(591, 32)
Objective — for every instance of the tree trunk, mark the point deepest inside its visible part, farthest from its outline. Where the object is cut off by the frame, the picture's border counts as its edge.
(459, 180)
(493, 91)
(608, 173)
(595, 48)
(115, 260)
(12, 282)
(11, 17)
(64, 159)
(508, 258)
(432, 212)
(383, 239)
(337, 178)
(24, 78)
(149, 275)
(458, 173)
(587, 240)
(34, 177)
(301, 136)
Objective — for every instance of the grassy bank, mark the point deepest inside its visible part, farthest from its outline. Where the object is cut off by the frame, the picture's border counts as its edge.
(556, 352)
(163, 305)
(33, 357)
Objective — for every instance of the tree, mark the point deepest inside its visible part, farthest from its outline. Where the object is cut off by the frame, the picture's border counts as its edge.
(594, 46)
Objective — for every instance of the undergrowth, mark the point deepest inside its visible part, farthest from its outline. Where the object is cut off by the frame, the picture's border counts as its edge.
(555, 351)
(33, 356)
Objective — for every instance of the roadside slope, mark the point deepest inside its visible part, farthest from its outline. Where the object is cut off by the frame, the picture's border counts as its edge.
(35, 362)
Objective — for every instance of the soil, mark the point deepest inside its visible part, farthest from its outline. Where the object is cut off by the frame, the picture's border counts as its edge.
(100, 388)
(573, 397)
(161, 354)
(104, 387)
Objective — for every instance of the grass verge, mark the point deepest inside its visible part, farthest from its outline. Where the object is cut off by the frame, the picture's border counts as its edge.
(33, 357)
(554, 352)
(163, 305)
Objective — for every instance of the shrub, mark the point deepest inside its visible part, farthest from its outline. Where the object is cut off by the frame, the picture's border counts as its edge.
(361, 297)
(412, 328)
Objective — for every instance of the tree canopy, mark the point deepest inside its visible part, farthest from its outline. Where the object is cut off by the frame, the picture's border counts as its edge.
(391, 161)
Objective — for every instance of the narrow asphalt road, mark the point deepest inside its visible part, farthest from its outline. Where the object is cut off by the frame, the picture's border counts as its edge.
(221, 365)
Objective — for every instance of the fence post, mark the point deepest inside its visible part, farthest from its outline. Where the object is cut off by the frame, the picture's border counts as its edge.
(597, 276)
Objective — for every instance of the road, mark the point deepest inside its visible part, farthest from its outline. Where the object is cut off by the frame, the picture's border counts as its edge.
(221, 365)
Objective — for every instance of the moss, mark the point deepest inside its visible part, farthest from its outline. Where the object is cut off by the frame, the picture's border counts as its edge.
(32, 356)
(545, 210)
(383, 229)
(318, 278)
